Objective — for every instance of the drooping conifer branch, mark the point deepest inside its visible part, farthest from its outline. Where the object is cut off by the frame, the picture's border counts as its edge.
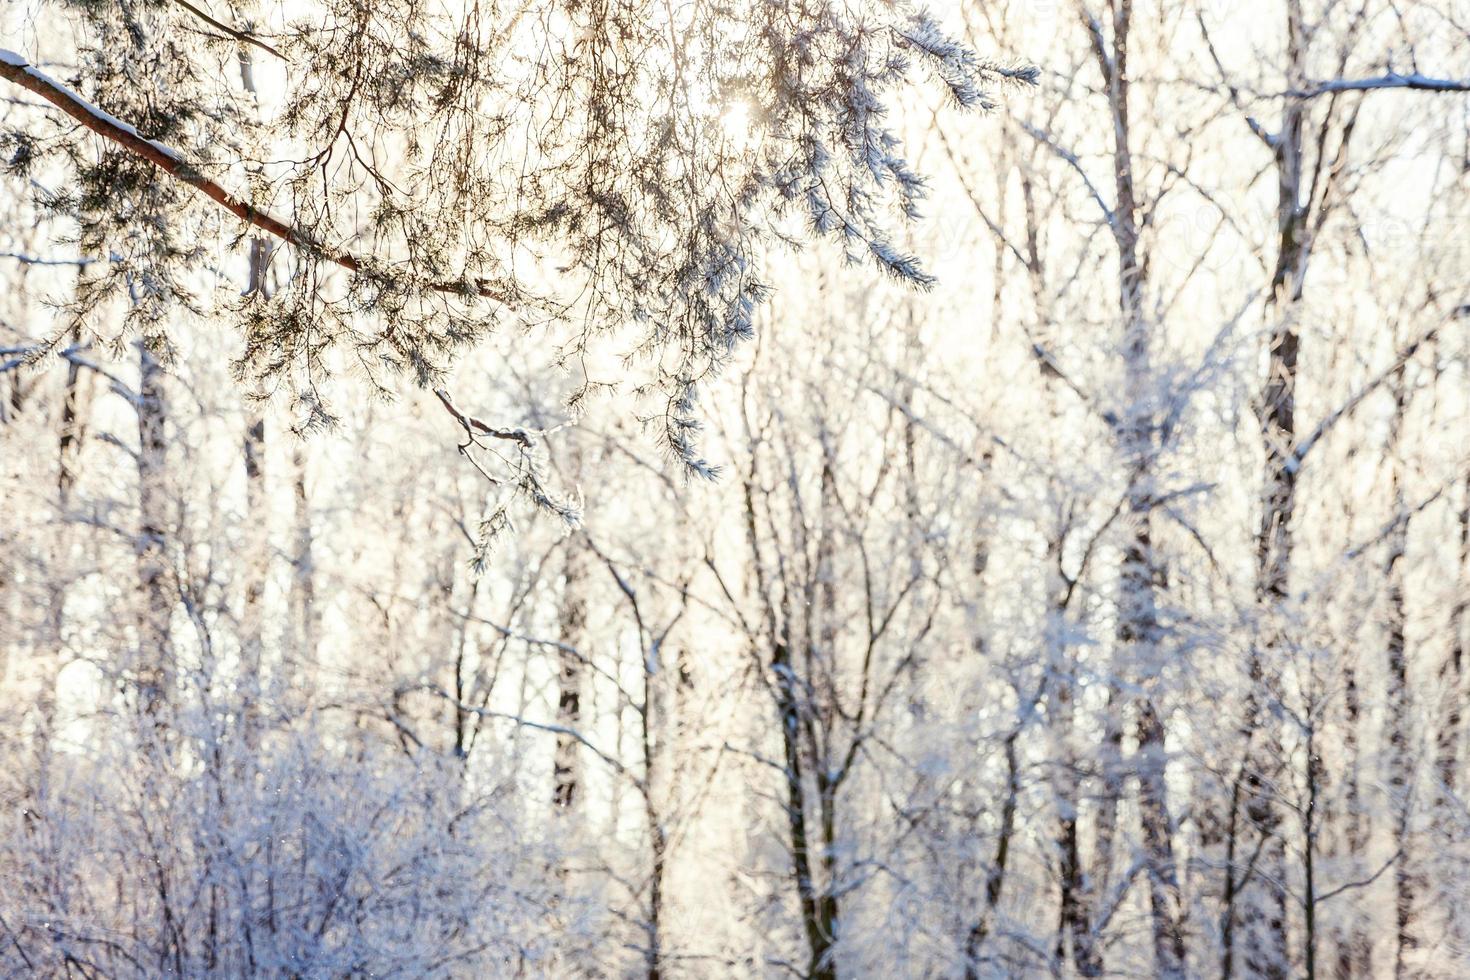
(16, 69)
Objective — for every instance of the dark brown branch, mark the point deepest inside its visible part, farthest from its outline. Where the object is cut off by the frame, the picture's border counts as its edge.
(237, 35)
(474, 426)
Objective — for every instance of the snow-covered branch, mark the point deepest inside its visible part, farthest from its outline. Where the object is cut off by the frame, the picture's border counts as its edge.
(1391, 80)
(15, 68)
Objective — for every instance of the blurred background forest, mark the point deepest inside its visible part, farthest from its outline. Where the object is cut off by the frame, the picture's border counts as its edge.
(1100, 611)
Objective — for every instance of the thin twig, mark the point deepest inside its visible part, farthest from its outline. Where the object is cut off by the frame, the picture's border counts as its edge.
(232, 32)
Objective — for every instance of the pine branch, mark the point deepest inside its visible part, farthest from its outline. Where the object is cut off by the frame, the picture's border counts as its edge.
(16, 69)
(241, 36)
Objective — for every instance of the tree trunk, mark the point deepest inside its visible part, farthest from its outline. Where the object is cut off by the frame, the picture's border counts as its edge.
(1449, 723)
(68, 452)
(155, 663)
(653, 721)
(305, 616)
(1075, 905)
(573, 630)
(1398, 721)
(995, 880)
(257, 562)
(1452, 670)
(1355, 951)
(1260, 901)
(1138, 633)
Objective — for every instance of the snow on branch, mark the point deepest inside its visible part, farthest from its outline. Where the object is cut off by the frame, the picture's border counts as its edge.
(1392, 80)
(16, 69)
(474, 426)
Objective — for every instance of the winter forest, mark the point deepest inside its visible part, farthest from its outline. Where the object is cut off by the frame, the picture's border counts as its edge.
(734, 488)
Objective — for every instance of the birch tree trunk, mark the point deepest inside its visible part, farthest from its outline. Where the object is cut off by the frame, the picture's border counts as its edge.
(257, 503)
(572, 625)
(68, 453)
(305, 616)
(155, 665)
(653, 726)
(1355, 949)
(257, 562)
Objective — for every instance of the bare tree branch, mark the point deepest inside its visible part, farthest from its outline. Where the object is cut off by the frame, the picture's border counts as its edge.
(1392, 80)
(1346, 408)
(473, 425)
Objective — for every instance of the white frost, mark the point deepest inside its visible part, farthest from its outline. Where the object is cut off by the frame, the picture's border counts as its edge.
(11, 58)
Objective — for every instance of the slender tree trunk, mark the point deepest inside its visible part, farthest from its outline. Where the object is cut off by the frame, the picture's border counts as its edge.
(573, 636)
(1075, 915)
(257, 504)
(1260, 899)
(1449, 733)
(305, 616)
(995, 880)
(1138, 632)
(813, 913)
(824, 966)
(821, 669)
(658, 851)
(68, 452)
(1110, 791)
(69, 443)
(155, 664)
(257, 559)
(653, 721)
(787, 696)
(1075, 902)
(1398, 721)
(464, 682)
(1355, 951)
(1309, 851)
(1452, 670)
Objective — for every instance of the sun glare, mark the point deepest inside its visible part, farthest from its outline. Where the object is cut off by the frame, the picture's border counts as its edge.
(737, 126)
